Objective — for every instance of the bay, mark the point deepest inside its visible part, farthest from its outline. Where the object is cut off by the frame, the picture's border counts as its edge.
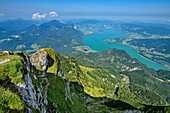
(96, 42)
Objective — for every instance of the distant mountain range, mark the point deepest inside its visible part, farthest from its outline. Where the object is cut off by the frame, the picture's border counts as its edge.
(54, 34)
(14, 25)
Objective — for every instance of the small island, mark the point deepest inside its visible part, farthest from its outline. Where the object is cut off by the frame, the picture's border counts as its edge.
(114, 41)
(110, 40)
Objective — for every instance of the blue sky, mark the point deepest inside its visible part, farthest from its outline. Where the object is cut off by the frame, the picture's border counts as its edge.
(135, 8)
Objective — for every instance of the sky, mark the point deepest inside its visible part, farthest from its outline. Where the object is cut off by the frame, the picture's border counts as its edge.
(43, 9)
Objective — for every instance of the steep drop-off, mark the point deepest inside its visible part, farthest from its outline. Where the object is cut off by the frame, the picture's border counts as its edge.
(30, 80)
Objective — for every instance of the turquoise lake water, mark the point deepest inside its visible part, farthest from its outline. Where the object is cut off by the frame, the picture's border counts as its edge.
(96, 42)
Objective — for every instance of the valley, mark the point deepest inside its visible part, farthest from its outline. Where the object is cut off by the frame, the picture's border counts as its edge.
(93, 67)
(133, 32)
(84, 56)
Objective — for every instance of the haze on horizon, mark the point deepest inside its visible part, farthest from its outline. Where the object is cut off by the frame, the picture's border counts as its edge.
(46, 9)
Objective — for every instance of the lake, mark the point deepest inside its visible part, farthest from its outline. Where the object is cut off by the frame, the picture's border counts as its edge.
(96, 42)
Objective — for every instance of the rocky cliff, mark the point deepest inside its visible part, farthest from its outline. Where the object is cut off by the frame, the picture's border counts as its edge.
(32, 84)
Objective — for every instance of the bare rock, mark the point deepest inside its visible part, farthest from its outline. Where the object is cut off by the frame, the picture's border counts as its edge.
(39, 60)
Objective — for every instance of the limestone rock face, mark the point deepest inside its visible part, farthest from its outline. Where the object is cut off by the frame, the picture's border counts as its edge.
(32, 90)
(39, 60)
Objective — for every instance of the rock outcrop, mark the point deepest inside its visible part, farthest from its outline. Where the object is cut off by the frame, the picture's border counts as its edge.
(39, 60)
(33, 93)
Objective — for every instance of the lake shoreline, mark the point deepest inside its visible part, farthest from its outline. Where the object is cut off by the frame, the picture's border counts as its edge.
(96, 42)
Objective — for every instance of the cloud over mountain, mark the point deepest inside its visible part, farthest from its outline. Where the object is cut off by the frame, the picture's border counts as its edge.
(38, 16)
(53, 14)
(41, 16)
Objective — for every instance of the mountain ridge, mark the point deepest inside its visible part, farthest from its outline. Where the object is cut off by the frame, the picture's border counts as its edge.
(54, 34)
(46, 72)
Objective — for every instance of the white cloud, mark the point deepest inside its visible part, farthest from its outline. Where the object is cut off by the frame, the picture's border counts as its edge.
(38, 16)
(53, 14)
(1, 14)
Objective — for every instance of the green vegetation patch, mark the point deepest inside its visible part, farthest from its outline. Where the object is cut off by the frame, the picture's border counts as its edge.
(35, 46)
(145, 96)
(84, 49)
(132, 103)
(53, 62)
(12, 69)
(20, 46)
(56, 93)
(30, 51)
(10, 102)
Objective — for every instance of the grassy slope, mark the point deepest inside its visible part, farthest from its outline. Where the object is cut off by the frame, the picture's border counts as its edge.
(92, 83)
(114, 60)
(12, 69)
(10, 73)
(73, 72)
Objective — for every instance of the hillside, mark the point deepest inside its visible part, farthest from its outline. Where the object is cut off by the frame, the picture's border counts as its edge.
(157, 50)
(53, 82)
(54, 34)
(137, 75)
